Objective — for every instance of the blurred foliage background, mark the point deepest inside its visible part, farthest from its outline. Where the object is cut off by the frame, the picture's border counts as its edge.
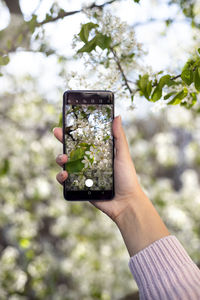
(52, 249)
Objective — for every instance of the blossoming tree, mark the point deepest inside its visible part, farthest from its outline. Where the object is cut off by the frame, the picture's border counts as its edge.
(50, 249)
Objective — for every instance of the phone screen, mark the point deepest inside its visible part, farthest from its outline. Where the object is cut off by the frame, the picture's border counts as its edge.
(89, 144)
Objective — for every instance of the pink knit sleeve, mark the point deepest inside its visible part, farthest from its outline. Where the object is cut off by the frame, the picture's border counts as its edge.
(164, 270)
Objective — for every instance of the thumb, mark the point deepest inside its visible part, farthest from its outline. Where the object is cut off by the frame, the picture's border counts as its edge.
(121, 144)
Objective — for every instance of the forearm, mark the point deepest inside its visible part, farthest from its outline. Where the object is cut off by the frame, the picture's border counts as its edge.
(140, 225)
(163, 270)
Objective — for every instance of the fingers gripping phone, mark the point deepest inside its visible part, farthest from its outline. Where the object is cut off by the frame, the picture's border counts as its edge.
(89, 144)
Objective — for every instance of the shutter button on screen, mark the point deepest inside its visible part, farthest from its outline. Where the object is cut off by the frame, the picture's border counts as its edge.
(89, 182)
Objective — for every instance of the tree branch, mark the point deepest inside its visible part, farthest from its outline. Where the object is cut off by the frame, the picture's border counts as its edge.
(175, 77)
(25, 30)
(13, 6)
(69, 13)
(126, 81)
(178, 76)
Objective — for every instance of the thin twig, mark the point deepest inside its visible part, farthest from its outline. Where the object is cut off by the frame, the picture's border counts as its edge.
(69, 13)
(175, 77)
(121, 70)
(178, 76)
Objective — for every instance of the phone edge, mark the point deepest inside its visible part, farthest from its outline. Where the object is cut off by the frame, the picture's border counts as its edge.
(64, 152)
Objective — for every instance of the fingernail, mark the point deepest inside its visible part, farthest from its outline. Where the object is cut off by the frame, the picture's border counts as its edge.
(62, 174)
(120, 118)
(54, 129)
(60, 157)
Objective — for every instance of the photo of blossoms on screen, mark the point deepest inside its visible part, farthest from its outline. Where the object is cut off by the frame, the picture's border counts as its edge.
(88, 136)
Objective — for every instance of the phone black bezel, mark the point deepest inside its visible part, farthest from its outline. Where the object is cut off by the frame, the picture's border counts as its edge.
(87, 195)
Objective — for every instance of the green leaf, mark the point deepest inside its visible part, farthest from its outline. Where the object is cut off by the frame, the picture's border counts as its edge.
(106, 138)
(132, 98)
(85, 30)
(187, 76)
(157, 93)
(136, 1)
(83, 114)
(194, 98)
(52, 9)
(76, 156)
(4, 60)
(143, 81)
(103, 41)
(85, 145)
(197, 79)
(48, 17)
(77, 153)
(198, 50)
(179, 97)
(108, 110)
(131, 55)
(174, 83)
(169, 95)
(148, 89)
(187, 72)
(192, 103)
(62, 13)
(74, 166)
(168, 22)
(91, 45)
(165, 80)
(5, 167)
(145, 85)
(32, 23)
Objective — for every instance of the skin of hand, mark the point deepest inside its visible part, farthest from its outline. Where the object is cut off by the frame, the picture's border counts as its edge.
(130, 209)
(127, 186)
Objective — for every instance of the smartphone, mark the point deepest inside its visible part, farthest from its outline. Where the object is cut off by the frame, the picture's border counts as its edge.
(88, 143)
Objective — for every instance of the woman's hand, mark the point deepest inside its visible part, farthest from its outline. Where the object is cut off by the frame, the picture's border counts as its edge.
(127, 187)
(134, 214)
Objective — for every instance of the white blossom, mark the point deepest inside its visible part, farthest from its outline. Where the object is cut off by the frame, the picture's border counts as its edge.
(86, 162)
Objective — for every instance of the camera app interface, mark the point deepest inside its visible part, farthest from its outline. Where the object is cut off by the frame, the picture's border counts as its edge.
(89, 144)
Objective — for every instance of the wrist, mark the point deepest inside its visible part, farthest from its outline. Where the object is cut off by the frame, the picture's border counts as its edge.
(140, 225)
